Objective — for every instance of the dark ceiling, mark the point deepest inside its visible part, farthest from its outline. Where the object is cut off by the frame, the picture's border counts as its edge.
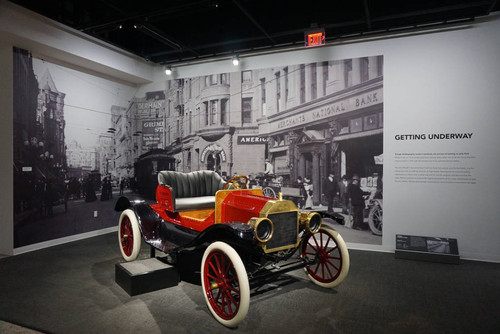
(172, 31)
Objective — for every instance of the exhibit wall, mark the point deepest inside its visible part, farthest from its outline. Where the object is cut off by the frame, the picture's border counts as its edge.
(440, 113)
(81, 141)
(65, 160)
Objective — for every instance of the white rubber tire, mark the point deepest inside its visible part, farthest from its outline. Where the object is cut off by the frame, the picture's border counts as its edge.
(222, 250)
(326, 236)
(129, 235)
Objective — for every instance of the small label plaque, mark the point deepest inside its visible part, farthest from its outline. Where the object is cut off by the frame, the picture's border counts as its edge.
(427, 248)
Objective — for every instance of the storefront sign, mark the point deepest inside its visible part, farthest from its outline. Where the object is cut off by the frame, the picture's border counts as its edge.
(251, 140)
(150, 105)
(152, 134)
(213, 148)
(325, 111)
(152, 126)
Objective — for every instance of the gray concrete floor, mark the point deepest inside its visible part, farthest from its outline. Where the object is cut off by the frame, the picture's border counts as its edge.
(8, 328)
(71, 289)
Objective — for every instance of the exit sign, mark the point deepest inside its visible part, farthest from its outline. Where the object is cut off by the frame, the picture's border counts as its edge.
(314, 38)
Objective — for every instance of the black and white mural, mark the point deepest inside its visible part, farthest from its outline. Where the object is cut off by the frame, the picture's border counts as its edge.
(62, 139)
(311, 131)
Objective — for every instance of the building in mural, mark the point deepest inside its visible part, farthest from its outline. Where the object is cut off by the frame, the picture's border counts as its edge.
(85, 158)
(50, 116)
(105, 153)
(306, 120)
(324, 118)
(27, 130)
(40, 160)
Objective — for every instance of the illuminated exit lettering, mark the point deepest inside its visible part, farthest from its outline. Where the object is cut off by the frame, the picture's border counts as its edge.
(314, 39)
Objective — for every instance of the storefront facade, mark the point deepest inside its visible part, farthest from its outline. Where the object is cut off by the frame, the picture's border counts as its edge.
(340, 132)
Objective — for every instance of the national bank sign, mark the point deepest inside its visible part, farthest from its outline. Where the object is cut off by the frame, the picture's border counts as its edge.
(328, 110)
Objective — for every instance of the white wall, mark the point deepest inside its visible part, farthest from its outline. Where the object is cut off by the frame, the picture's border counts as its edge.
(443, 81)
(436, 81)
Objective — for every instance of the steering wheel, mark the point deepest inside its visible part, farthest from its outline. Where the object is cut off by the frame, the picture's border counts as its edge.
(234, 182)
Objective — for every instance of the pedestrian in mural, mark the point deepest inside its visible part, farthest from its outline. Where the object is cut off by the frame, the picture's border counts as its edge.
(66, 195)
(308, 187)
(122, 186)
(109, 186)
(89, 191)
(330, 191)
(300, 184)
(252, 182)
(48, 197)
(342, 192)
(104, 190)
(380, 185)
(269, 168)
(357, 202)
(39, 193)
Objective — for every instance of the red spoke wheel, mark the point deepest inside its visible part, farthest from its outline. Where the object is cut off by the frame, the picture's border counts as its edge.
(225, 284)
(328, 252)
(129, 235)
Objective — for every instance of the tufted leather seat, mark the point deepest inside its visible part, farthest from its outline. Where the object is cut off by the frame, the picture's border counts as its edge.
(192, 191)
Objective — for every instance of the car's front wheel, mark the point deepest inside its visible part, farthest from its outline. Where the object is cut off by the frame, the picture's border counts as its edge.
(129, 235)
(225, 284)
(327, 254)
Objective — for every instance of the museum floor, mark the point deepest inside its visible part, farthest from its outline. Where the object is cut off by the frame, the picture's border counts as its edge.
(71, 289)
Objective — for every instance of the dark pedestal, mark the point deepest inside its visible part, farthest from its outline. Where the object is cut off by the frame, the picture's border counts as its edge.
(147, 275)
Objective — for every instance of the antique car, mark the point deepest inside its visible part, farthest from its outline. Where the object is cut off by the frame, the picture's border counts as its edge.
(241, 234)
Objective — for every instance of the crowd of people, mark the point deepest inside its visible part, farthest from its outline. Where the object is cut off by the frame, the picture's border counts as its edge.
(345, 194)
(36, 197)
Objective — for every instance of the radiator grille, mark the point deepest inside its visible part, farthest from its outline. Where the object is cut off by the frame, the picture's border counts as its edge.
(285, 230)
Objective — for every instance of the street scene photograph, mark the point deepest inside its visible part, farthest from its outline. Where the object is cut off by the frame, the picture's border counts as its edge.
(312, 132)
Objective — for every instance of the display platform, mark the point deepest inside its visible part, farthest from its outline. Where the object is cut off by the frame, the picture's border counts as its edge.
(147, 275)
(432, 249)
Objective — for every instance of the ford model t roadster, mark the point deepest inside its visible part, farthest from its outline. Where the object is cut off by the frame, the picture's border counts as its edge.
(241, 234)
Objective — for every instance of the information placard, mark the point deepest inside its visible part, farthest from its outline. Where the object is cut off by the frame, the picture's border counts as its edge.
(433, 249)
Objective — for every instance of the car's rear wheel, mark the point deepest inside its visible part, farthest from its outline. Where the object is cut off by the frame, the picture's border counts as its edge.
(375, 218)
(129, 235)
(329, 256)
(225, 284)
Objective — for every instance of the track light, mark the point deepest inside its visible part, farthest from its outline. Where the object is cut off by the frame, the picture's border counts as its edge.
(236, 60)
(168, 70)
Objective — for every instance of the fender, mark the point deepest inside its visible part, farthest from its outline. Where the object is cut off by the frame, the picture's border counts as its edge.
(232, 233)
(180, 238)
(148, 219)
(122, 203)
(166, 236)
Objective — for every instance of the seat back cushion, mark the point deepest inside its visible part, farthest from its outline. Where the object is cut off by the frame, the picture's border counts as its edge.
(193, 184)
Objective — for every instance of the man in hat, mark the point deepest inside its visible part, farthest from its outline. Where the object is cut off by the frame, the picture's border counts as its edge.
(355, 195)
(342, 191)
(308, 187)
(330, 190)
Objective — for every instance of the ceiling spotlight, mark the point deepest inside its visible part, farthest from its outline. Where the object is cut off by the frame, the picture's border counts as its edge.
(236, 60)
(168, 70)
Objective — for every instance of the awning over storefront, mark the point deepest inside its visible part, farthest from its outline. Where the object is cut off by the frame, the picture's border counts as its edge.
(358, 135)
(314, 135)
